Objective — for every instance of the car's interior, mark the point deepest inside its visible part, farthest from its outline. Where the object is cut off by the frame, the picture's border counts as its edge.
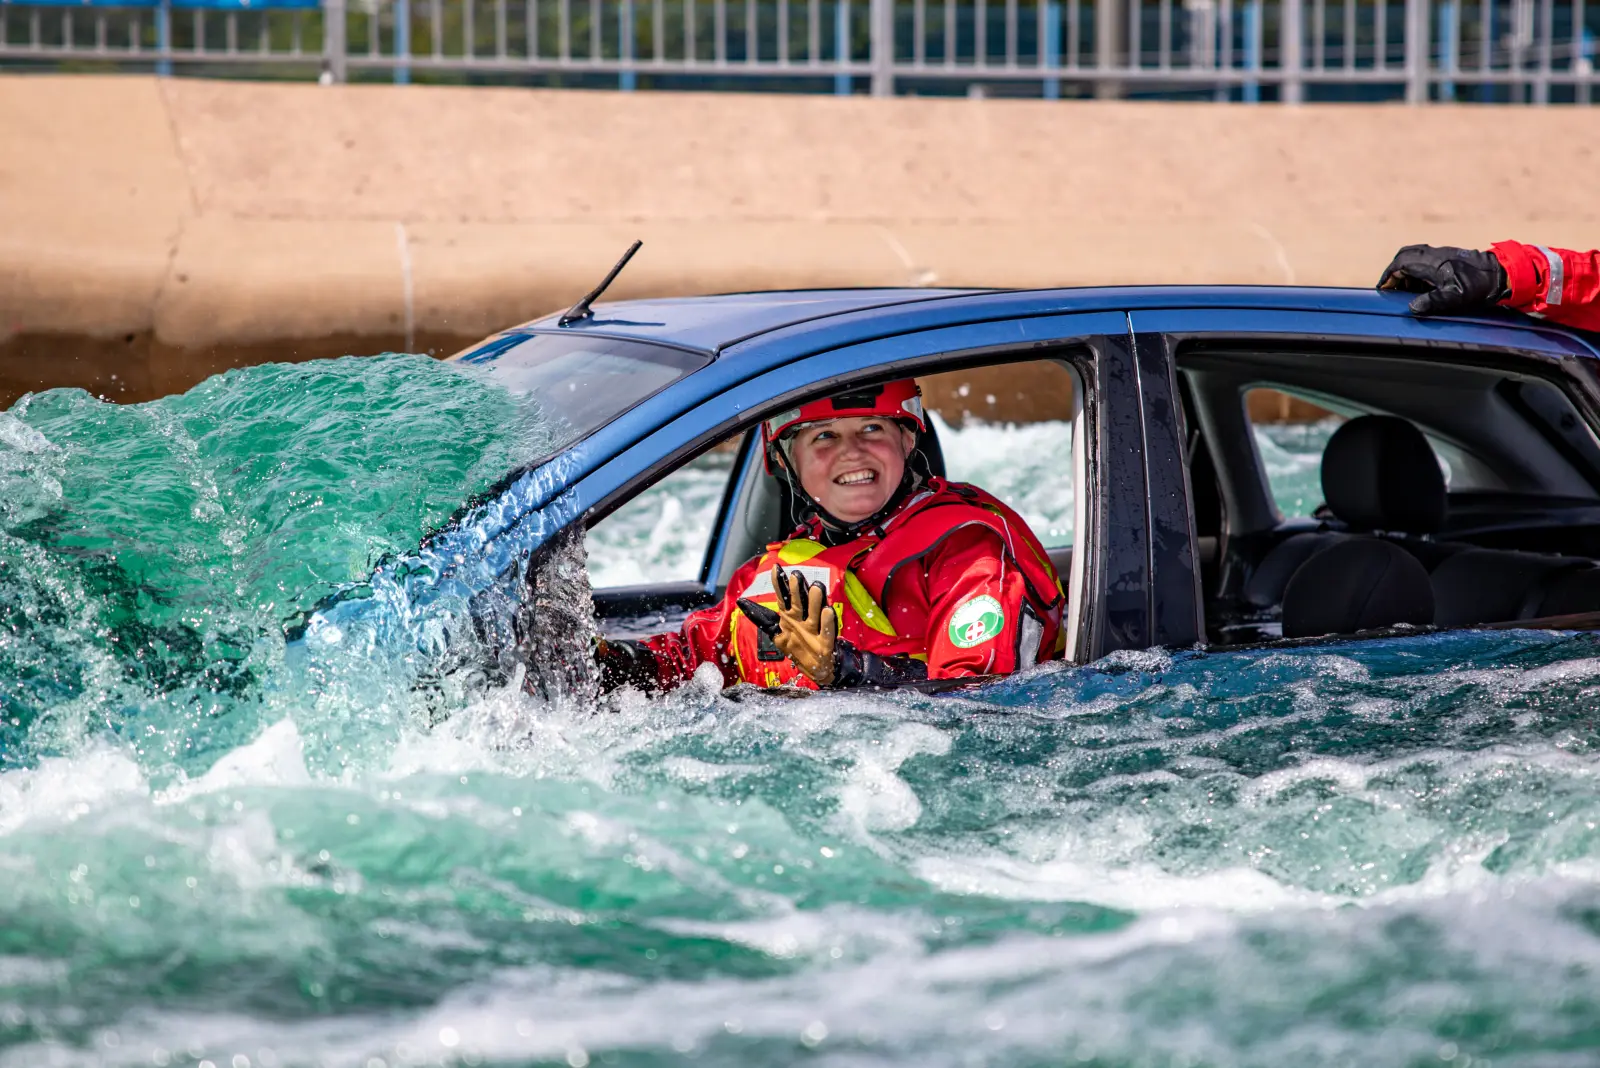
(1001, 418)
(1455, 492)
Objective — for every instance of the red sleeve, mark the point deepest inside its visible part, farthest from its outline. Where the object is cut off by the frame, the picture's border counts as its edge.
(703, 639)
(1559, 284)
(976, 602)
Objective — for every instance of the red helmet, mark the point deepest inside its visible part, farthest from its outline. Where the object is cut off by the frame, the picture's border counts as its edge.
(900, 400)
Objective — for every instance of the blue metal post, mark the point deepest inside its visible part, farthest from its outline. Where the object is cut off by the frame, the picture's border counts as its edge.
(1052, 48)
(1448, 58)
(164, 39)
(1251, 93)
(402, 41)
(841, 46)
(1588, 58)
(628, 79)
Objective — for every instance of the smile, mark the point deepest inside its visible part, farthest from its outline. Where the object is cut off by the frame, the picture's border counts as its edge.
(856, 478)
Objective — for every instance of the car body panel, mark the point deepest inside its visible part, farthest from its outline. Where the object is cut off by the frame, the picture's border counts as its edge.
(1137, 548)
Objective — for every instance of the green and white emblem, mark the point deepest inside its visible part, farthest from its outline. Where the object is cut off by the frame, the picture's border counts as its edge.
(976, 622)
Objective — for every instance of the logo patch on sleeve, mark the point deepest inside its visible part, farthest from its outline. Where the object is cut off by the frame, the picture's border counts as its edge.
(976, 622)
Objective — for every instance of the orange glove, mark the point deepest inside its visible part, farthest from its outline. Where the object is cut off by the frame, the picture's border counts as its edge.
(804, 627)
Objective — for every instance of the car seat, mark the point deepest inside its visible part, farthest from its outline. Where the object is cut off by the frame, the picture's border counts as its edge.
(1380, 478)
(1378, 474)
(1357, 584)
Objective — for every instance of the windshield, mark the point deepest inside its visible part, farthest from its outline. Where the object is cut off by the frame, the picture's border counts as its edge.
(577, 384)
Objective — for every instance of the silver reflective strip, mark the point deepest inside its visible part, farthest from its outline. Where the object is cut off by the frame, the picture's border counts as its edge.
(1558, 276)
(1028, 643)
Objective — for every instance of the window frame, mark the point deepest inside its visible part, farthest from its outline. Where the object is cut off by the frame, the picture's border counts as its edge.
(1077, 338)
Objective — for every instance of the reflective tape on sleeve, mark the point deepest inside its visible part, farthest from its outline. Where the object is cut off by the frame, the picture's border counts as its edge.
(1558, 276)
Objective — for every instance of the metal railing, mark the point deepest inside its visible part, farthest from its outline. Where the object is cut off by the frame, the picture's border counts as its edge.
(1533, 51)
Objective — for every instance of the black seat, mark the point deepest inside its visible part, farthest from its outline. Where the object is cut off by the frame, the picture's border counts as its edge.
(1380, 478)
(1378, 474)
(1500, 586)
(1357, 584)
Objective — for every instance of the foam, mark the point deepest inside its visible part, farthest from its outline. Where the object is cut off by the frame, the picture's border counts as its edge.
(65, 789)
(276, 757)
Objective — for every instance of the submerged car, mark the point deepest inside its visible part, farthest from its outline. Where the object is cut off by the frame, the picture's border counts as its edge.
(1463, 481)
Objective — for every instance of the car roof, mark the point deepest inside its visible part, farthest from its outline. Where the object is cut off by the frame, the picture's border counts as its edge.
(712, 323)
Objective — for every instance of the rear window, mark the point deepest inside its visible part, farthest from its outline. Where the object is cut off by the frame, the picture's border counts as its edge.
(575, 384)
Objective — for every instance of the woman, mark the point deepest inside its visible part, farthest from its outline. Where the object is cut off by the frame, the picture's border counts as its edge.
(893, 575)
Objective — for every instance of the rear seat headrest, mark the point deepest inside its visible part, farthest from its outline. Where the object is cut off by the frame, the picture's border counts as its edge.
(1378, 473)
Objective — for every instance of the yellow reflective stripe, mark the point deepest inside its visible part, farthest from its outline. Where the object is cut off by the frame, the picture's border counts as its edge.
(865, 607)
(733, 641)
(799, 551)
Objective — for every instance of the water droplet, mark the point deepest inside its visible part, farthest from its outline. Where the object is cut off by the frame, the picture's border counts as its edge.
(449, 1037)
(814, 1033)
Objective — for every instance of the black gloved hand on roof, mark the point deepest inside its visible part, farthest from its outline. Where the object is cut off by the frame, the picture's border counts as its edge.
(1447, 281)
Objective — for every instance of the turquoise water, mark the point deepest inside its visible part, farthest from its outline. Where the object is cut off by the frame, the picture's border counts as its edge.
(1376, 854)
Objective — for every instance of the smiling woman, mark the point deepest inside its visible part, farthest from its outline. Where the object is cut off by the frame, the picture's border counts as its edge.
(859, 492)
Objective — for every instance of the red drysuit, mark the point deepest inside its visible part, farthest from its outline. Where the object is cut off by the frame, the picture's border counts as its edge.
(954, 578)
(1556, 283)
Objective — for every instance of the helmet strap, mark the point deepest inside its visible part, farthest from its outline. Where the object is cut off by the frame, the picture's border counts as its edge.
(837, 530)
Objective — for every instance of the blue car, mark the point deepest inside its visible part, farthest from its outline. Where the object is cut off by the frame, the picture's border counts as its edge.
(1459, 486)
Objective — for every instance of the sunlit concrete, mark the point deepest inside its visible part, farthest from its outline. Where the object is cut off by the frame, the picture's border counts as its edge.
(165, 227)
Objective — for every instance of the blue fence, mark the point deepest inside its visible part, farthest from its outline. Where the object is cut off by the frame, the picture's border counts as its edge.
(1535, 51)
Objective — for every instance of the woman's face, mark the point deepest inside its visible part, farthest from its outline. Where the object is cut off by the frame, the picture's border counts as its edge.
(851, 465)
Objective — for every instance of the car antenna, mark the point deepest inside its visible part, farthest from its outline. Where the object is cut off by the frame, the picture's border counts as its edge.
(581, 310)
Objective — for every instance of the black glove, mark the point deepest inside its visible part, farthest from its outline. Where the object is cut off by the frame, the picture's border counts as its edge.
(625, 663)
(1448, 280)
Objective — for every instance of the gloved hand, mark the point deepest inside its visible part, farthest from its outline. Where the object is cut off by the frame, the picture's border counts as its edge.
(804, 627)
(1448, 280)
(625, 663)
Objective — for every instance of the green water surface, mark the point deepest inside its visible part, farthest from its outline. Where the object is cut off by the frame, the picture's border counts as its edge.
(1379, 854)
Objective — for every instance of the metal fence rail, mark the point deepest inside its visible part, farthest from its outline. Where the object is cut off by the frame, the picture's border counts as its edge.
(1534, 51)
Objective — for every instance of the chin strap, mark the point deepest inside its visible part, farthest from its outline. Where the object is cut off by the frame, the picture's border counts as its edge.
(912, 478)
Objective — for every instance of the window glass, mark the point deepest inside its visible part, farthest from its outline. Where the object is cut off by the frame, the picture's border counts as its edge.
(661, 535)
(1291, 455)
(1290, 435)
(1008, 429)
(575, 383)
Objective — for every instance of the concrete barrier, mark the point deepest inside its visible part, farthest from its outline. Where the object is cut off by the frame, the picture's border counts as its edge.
(154, 230)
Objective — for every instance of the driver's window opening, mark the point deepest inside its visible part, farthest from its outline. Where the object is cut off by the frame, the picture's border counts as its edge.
(662, 535)
(1004, 428)
(1361, 491)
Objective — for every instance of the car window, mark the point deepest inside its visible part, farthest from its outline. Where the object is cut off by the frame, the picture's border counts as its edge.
(1008, 429)
(574, 383)
(1290, 434)
(661, 535)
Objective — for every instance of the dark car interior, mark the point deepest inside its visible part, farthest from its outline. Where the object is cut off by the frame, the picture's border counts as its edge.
(1512, 536)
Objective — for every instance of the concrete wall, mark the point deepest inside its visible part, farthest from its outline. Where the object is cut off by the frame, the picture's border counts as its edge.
(155, 230)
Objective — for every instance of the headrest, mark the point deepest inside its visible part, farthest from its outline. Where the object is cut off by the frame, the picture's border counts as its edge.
(1356, 585)
(1378, 473)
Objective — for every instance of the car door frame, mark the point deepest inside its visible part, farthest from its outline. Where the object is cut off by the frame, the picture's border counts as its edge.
(1161, 331)
(1112, 561)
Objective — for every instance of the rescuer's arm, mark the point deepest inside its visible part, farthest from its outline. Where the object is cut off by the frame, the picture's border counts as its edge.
(976, 614)
(665, 661)
(1559, 284)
